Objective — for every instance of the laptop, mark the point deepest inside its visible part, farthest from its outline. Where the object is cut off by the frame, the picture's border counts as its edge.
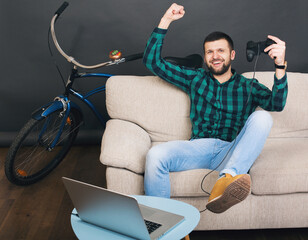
(118, 212)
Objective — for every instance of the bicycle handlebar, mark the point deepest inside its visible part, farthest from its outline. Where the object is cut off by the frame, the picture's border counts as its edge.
(61, 9)
(71, 59)
(133, 57)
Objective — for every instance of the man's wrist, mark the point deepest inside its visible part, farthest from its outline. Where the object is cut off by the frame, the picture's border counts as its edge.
(281, 65)
(164, 23)
(280, 73)
(281, 79)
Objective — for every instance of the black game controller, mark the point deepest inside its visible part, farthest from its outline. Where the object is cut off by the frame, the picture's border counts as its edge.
(256, 48)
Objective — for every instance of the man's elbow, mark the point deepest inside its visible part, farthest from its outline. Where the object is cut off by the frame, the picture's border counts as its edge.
(280, 108)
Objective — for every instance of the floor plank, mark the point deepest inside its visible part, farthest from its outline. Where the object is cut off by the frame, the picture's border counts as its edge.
(42, 210)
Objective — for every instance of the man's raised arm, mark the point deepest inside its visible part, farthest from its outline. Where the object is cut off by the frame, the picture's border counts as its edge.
(174, 74)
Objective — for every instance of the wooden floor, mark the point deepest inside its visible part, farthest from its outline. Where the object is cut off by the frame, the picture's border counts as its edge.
(42, 211)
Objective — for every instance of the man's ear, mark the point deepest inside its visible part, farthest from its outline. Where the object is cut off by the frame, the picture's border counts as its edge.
(232, 55)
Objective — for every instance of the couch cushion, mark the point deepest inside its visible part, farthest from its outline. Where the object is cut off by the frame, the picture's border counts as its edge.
(157, 106)
(125, 145)
(293, 120)
(188, 183)
(282, 167)
(183, 184)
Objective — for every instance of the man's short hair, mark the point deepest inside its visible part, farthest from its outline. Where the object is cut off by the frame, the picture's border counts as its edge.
(214, 36)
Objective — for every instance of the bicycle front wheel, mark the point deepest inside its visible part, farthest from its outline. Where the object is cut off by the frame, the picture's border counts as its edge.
(31, 155)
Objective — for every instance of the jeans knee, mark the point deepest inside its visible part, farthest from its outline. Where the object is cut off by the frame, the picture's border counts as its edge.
(262, 120)
(155, 159)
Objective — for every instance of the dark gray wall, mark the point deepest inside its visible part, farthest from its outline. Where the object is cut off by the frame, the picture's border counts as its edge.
(89, 29)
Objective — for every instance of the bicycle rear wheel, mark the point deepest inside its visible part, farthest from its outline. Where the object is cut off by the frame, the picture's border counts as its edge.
(30, 156)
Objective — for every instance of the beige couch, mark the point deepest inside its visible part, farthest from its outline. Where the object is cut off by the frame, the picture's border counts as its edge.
(146, 111)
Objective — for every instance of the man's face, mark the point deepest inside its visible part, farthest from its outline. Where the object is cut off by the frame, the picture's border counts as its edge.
(218, 56)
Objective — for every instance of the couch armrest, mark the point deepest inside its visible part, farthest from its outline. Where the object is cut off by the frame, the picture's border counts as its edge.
(125, 145)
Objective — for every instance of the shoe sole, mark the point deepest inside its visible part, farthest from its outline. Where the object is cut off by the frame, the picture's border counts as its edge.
(236, 192)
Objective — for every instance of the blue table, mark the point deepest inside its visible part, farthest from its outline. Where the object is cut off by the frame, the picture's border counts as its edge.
(86, 231)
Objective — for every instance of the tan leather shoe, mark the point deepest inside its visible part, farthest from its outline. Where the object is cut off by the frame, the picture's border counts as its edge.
(228, 191)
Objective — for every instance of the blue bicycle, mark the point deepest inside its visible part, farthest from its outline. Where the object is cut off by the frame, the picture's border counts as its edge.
(47, 137)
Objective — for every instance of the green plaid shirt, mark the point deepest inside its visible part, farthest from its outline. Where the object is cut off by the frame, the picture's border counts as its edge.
(217, 110)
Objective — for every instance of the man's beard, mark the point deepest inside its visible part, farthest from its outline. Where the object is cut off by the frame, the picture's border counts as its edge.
(220, 71)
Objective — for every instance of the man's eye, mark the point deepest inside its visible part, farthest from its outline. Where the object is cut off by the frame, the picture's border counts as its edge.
(221, 50)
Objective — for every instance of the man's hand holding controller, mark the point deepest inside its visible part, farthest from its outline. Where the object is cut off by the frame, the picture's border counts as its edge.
(277, 52)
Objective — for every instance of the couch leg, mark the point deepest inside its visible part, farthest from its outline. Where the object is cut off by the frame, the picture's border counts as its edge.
(187, 237)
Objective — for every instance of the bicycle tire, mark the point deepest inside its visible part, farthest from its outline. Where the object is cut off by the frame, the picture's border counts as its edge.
(29, 158)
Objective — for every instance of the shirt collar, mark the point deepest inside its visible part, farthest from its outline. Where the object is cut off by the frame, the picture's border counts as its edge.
(234, 76)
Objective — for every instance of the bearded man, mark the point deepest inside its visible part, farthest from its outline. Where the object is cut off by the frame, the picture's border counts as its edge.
(227, 133)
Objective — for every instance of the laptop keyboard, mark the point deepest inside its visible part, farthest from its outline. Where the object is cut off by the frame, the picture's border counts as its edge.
(151, 226)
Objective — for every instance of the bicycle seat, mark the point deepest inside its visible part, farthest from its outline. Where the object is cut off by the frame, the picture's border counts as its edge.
(191, 61)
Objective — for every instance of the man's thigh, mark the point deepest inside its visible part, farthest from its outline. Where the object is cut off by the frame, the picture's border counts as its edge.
(184, 155)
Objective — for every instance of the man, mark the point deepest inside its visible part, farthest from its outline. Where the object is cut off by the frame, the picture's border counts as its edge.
(227, 133)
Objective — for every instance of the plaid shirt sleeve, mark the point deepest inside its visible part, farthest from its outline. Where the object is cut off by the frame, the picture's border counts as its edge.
(177, 75)
(274, 100)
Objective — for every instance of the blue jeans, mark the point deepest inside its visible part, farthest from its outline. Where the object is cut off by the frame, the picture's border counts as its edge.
(206, 153)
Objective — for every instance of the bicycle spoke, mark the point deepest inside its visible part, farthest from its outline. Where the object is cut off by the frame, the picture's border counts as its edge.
(70, 132)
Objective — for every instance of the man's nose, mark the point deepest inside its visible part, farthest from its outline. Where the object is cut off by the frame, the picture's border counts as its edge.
(215, 54)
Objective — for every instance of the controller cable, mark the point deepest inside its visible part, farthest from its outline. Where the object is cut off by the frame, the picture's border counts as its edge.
(234, 141)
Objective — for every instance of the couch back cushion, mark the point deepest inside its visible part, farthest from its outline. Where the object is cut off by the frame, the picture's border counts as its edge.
(155, 105)
(163, 109)
(293, 120)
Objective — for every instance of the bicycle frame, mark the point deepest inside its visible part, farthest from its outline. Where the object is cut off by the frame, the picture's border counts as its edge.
(63, 102)
(84, 98)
